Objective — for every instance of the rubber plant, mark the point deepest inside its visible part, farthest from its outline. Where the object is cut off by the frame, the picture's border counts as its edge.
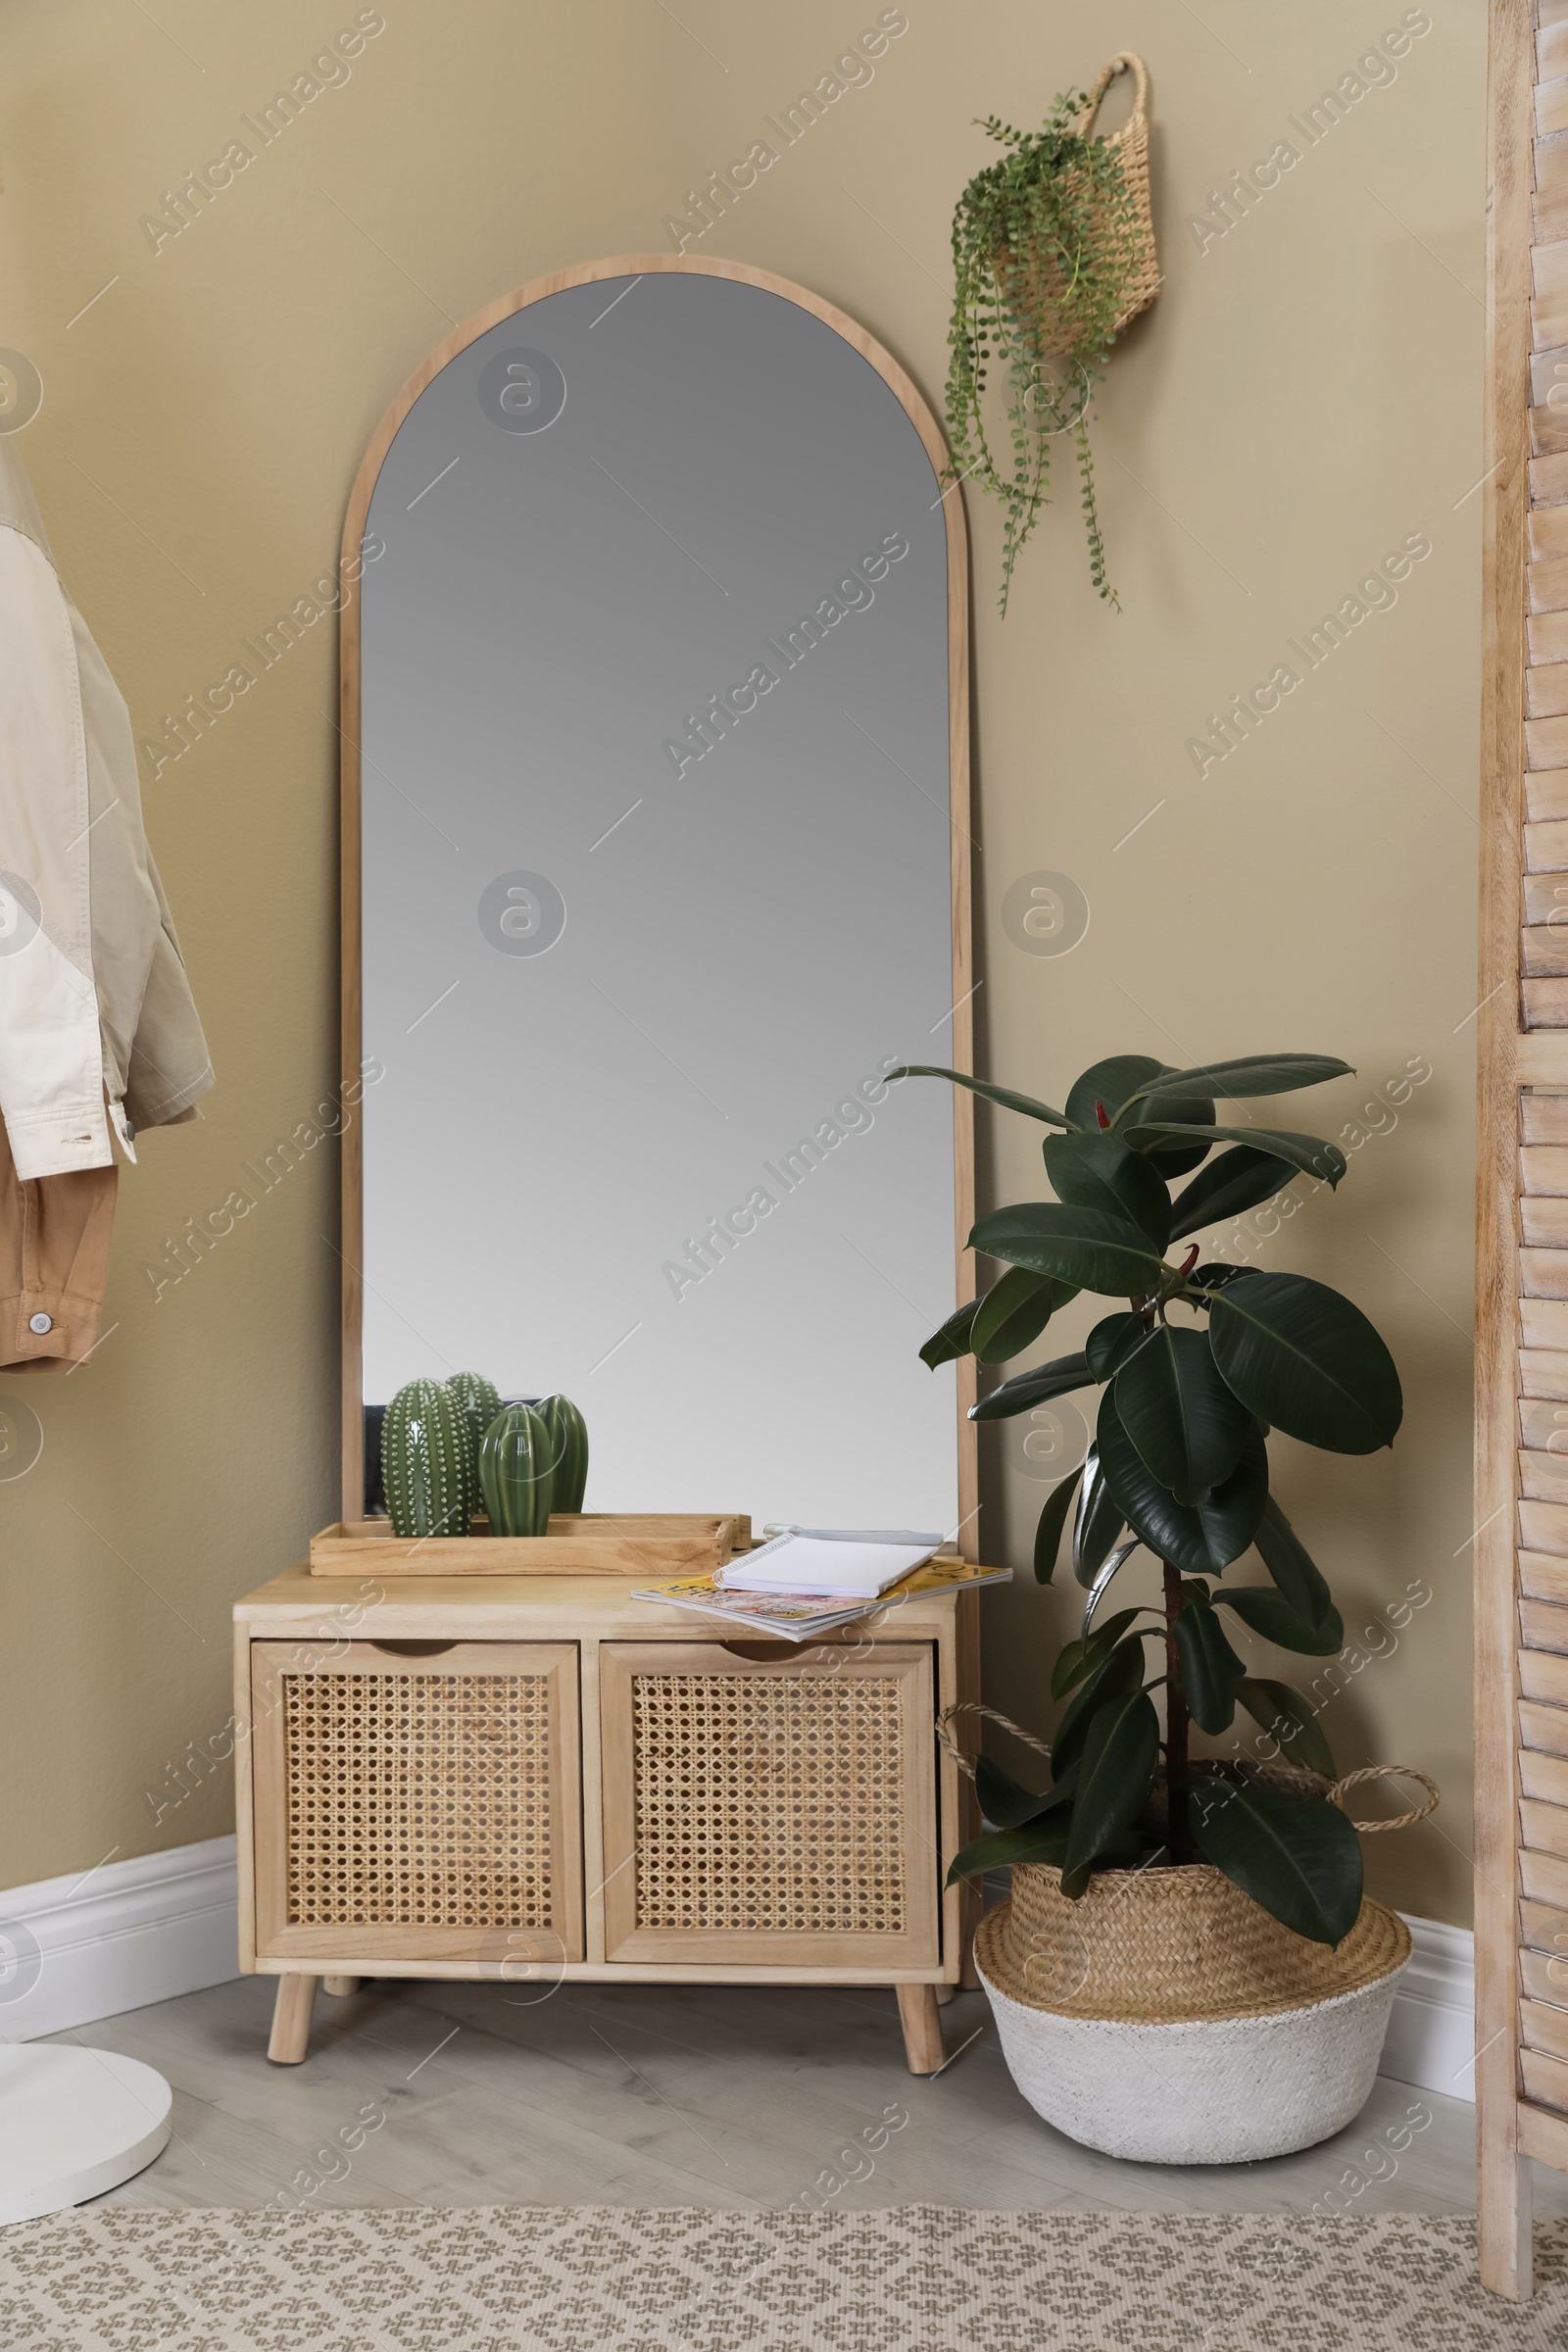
(1196, 1366)
(1045, 245)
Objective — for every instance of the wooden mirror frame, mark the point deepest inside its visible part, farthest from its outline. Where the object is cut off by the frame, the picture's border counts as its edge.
(963, 982)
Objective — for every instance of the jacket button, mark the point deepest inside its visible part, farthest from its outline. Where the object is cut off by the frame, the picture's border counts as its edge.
(41, 1323)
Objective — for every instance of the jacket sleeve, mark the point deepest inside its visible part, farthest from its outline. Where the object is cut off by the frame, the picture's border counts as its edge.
(51, 1055)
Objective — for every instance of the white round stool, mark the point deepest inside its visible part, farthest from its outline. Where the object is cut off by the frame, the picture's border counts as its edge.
(75, 2123)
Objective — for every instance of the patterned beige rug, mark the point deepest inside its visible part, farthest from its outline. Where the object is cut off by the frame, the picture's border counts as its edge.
(917, 2279)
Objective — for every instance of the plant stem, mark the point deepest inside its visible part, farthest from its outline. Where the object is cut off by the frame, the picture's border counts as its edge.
(1178, 1836)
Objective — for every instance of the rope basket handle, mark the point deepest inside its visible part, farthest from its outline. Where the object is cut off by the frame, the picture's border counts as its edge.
(1336, 1793)
(972, 1707)
(1125, 61)
(1384, 1772)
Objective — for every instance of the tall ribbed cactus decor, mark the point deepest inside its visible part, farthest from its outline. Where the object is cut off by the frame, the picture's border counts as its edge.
(479, 1401)
(514, 1456)
(424, 1461)
(568, 1452)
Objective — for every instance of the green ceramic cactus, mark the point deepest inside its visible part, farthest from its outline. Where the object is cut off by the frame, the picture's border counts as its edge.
(568, 1452)
(514, 1456)
(479, 1401)
(424, 1461)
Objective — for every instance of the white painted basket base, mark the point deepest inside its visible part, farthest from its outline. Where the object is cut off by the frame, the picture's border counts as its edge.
(1225, 2090)
(74, 2123)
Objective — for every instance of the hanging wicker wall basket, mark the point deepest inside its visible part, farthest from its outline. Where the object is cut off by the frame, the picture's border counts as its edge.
(1037, 283)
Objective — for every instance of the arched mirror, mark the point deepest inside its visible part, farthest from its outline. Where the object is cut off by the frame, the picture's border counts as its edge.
(654, 862)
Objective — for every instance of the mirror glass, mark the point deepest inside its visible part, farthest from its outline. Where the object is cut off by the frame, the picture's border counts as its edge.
(657, 882)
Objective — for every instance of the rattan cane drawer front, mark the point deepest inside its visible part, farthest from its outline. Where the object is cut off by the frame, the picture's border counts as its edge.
(769, 1810)
(418, 1801)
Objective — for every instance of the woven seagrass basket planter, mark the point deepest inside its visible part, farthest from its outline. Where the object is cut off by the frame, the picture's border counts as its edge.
(1165, 2017)
(1035, 283)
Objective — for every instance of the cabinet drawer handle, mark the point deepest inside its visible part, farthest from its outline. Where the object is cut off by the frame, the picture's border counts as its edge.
(412, 1649)
(777, 1652)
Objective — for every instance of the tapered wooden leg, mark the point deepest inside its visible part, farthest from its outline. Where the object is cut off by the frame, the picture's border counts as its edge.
(291, 2019)
(340, 1987)
(921, 2020)
(1506, 2199)
(944, 1993)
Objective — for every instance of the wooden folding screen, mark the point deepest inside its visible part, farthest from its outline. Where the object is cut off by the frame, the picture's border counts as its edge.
(1521, 1542)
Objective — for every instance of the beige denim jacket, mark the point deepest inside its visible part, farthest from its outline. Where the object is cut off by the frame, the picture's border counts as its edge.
(97, 1024)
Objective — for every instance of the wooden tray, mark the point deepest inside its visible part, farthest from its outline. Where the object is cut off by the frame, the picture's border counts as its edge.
(656, 1545)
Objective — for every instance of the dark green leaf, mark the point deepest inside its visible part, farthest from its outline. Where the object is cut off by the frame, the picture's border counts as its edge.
(1203, 1539)
(1097, 1171)
(1081, 1245)
(1112, 1342)
(1115, 1083)
(1308, 1152)
(1252, 1074)
(1077, 1658)
(1045, 1842)
(1006, 1804)
(952, 1339)
(1211, 1672)
(1177, 1160)
(1099, 1522)
(1292, 1720)
(1013, 1313)
(1307, 1361)
(992, 1093)
(1028, 1389)
(1288, 1562)
(1270, 1614)
(1216, 1274)
(1115, 1677)
(1229, 1185)
(1115, 1561)
(1052, 1519)
(1123, 1854)
(1116, 1771)
(1297, 1857)
(1003, 1801)
(1186, 1422)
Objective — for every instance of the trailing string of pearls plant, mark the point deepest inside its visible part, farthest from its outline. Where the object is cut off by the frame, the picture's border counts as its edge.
(1052, 254)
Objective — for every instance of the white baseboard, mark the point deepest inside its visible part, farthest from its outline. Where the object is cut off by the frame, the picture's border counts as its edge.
(1432, 2034)
(82, 1947)
(87, 1945)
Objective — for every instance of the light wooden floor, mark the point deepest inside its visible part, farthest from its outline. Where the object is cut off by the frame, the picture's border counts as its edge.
(459, 2094)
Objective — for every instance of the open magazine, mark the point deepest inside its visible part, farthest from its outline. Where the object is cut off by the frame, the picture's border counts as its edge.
(803, 1616)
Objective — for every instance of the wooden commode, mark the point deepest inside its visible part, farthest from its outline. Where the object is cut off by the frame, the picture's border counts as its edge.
(541, 1779)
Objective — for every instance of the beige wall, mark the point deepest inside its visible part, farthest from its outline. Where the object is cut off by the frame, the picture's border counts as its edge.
(1303, 396)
